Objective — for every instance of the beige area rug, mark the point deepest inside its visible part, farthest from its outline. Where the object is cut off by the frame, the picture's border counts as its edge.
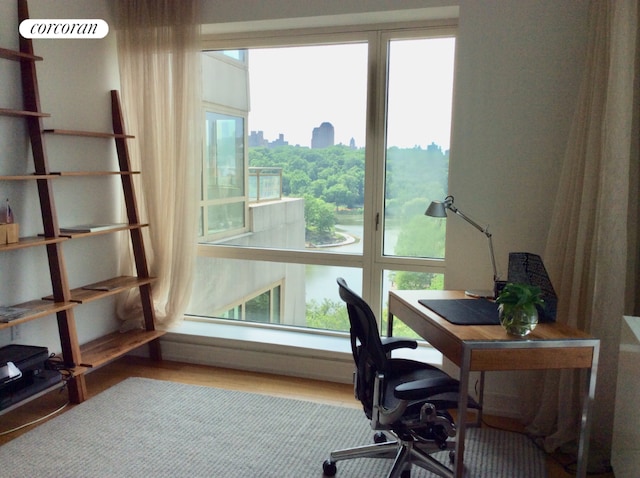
(152, 428)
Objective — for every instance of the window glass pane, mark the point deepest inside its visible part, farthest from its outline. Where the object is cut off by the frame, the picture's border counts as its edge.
(306, 145)
(239, 55)
(406, 280)
(272, 292)
(225, 217)
(417, 157)
(276, 313)
(224, 153)
(259, 308)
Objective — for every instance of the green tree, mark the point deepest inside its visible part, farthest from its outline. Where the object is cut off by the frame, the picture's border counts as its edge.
(299, 183)
(319, 215)
(328, 314)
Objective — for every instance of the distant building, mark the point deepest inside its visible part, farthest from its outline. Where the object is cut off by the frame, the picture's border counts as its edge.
(323, 136)
(257, 139)
(352, 143)
(279, 142)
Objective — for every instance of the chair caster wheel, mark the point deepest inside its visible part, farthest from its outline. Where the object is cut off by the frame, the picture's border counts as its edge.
(329, 468)
(379, 437)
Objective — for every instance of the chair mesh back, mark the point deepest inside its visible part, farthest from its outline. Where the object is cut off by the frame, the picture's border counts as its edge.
(366, 346)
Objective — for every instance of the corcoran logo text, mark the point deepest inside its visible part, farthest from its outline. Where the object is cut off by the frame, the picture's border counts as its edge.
(64, 28)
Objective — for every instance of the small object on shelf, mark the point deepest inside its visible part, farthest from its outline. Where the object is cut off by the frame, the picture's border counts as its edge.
(9, 233)
(8, 314)
(85, 228)
(9, 229)
(100, 287)
(8, 214)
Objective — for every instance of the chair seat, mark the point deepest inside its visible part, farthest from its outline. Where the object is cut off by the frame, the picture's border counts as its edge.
(411, 380)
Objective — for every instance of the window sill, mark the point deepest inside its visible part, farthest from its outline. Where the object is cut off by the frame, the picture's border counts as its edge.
(269, 350)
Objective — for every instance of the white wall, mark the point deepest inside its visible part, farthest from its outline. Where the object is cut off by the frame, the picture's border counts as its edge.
(517, 75)
(231, 11)
(74, 82)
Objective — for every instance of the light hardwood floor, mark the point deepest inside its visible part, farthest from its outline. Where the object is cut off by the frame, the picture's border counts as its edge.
(304, 389)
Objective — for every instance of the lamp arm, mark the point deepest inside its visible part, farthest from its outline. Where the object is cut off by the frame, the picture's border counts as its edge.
(485, 231)
(493, 259)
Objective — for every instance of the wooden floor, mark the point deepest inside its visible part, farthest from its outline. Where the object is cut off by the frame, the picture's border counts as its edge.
(109, 375)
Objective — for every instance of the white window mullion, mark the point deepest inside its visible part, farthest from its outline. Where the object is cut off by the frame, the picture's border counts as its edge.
(374, 173)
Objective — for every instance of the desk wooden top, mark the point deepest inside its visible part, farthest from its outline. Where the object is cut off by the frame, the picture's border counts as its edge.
(549, 345)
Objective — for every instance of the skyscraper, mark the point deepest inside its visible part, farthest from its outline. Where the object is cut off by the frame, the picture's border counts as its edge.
(323, 136)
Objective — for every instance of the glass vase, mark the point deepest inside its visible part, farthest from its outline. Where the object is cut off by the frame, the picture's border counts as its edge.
(517, 320)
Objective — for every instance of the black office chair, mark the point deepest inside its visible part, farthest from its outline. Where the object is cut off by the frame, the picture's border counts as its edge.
(402, 398)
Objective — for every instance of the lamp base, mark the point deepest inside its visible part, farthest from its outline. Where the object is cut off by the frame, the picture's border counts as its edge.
(480, 294)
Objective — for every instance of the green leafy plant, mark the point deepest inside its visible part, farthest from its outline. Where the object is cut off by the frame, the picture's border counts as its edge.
(517, 308)
(516, 296)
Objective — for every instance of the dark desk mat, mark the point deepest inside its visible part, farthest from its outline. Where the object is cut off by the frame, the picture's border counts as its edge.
(465, 311)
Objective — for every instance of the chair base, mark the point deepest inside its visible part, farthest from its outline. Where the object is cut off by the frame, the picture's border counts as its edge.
(405, 453)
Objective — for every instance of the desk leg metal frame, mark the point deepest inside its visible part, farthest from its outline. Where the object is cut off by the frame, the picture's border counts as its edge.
(458, 469)
(585, 425)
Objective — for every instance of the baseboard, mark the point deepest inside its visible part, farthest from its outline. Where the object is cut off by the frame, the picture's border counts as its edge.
(290, 360)
(267, 358)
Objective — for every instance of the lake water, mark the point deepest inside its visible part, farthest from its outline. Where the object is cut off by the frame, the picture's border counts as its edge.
(321, 280)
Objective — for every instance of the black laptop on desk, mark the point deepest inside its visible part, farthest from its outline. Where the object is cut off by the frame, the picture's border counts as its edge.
(525, 268)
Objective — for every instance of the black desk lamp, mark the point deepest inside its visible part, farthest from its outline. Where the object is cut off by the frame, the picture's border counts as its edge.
(439, 209)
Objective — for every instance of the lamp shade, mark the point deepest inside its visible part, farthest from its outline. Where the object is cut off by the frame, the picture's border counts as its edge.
(436, 209)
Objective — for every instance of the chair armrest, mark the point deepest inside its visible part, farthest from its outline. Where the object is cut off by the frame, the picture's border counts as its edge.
(426, 387)
(393, 343)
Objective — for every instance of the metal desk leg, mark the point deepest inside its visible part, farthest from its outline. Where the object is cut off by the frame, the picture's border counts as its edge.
(478, 422)
(585, 426)
(389, 324)
(462, 413)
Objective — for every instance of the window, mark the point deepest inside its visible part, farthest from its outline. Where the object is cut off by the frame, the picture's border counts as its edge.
(319, 161)
(263, 308)
(223, 178)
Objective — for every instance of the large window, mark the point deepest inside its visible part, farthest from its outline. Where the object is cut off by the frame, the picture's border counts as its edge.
(319, 161)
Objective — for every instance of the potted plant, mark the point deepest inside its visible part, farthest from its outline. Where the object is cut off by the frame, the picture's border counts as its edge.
(517, 308)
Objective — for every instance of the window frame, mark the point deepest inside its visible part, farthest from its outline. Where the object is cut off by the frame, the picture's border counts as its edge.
(372, 262)
(205, 202)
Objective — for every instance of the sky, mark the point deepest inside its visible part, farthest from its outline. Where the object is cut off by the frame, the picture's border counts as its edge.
(295, 89)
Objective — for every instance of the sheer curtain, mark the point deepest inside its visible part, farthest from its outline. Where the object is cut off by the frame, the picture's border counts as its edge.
(159, 56)
(591, 251)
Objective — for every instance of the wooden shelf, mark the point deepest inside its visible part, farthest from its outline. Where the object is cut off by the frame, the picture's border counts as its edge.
(89, 134)
(18, 55)
(31, 242)
(95, 173)
(124, 227)
(102, 350)
(23, 177)
(37, 309)
(105, 288)
(23, 113)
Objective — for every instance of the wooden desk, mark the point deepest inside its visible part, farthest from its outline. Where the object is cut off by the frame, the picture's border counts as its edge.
(489, 348)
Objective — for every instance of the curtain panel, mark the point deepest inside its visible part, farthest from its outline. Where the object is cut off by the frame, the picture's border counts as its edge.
(159, 58)
(591, 249)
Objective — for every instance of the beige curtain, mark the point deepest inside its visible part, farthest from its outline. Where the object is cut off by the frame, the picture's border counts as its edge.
(591, 249)
(159, 55)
